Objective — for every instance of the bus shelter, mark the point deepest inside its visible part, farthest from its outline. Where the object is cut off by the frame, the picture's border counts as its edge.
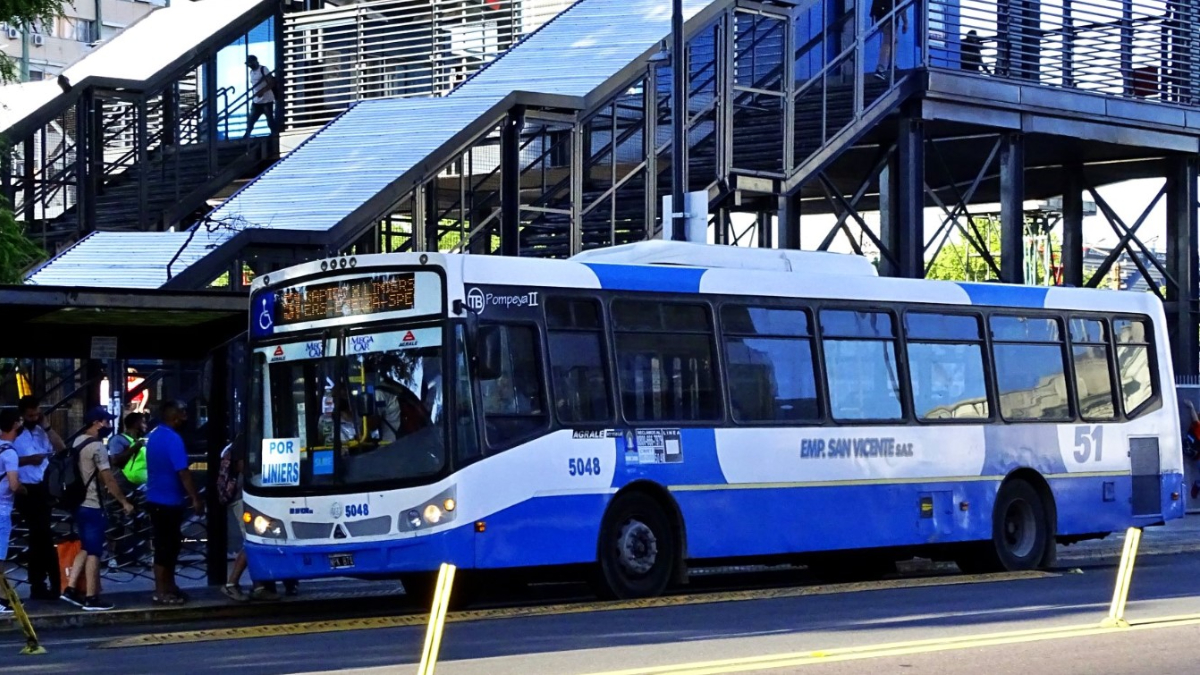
(116, 347)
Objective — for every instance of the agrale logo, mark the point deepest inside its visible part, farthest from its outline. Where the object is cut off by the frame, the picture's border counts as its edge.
(409, 340)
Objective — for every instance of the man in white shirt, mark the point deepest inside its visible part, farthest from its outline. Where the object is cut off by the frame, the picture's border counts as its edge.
(263, 93)
(35, 443)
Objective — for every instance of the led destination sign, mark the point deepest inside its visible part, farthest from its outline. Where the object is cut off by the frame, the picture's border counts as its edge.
(345, 298)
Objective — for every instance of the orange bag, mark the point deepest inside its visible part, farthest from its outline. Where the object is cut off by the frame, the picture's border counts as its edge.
(67, 550)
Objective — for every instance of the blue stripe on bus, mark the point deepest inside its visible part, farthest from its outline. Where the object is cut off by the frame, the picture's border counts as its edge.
(724, 523)
(644, 278)
(1005, 295)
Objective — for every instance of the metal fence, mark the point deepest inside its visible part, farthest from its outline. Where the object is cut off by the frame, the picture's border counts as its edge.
(1145, 49)
(129, 554)
(395, 48)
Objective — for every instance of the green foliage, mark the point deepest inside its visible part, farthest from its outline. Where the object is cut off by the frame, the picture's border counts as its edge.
(959, 261)
(17, 251)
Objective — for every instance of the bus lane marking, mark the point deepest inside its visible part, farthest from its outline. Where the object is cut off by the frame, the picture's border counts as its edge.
(420, 619)
(825, 656)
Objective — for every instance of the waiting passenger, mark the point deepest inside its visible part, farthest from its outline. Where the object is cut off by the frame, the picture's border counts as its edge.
(972, 53)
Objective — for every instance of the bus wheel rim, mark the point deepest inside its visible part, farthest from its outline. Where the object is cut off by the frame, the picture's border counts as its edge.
(1020, 528)
(637, 548)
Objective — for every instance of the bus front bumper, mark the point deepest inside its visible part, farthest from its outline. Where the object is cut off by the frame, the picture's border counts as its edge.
(379, 558)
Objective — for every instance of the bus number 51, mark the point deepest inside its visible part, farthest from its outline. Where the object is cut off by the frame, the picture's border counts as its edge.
(1087, 438)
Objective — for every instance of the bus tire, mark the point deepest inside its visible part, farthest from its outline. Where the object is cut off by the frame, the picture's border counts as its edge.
(637, 549)
(1020, 530)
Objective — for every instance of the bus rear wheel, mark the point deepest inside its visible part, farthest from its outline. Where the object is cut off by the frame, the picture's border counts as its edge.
(637, 549)
(1019, 533)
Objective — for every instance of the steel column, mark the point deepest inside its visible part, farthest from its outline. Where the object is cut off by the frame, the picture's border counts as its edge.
(95, 173)
(789, 222)
(1012, 210)
(30, 149)
(210, 113)
(902, 201)
(679, 100)
(143, 161)
(219, 435)
(1184, 264)
(1072, 210)
(575, 235)
(510, 182)
(280, 67)
(650, 147)
(83, 200)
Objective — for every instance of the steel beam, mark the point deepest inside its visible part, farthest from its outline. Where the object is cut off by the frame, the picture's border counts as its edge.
(679, 116)
(1184, 263)
(789, 222)
(28, 180)
(143, 162)
(902, 201)
(83, 194)
(1072, 241)
(510, 182)
(1012, 212)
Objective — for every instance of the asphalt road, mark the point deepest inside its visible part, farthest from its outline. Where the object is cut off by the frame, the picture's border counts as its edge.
(1028, 626)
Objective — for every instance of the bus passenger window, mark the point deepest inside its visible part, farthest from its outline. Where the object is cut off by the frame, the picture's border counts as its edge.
(513, 406)
(1133, 360)
(1030, 371)
(770, 362)
(945, 366)
(665, 356)
(578, 373)
(860, 363)
(1093, 373)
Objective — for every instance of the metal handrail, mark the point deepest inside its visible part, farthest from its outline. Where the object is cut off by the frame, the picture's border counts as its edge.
(1138, 49)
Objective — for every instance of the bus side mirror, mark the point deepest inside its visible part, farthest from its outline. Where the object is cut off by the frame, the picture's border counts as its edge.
(487, 349)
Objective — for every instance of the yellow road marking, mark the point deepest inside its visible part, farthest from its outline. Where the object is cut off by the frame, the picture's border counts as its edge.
(336, 626)
(809, 658)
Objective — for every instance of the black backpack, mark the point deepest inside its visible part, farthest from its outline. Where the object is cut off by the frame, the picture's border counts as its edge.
(64, 480)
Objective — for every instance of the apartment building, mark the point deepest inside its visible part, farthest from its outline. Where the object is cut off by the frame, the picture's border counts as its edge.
(46, 49)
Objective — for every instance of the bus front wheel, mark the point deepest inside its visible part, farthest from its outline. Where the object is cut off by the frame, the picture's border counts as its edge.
(637, 549)
(1019, 532)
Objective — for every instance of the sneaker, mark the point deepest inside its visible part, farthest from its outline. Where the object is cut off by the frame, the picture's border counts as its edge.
(263, 593)
(235, 593)
(95, 604)
(72, 596)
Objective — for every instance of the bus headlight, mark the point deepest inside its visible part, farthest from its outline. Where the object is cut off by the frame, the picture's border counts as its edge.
(440, 510)
(433, 515)
(263, 525)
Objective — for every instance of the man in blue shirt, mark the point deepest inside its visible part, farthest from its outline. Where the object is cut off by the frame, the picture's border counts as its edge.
(35, 443)
(169, 486)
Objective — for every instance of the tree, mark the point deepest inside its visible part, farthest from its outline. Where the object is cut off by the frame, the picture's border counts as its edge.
(17, 250)
(960, 261)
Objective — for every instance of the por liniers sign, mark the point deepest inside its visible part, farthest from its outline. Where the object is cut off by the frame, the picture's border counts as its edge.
(860, 448)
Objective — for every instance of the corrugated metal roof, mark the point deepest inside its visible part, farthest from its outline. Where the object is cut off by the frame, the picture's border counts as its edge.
(375, 142)
(124, 259)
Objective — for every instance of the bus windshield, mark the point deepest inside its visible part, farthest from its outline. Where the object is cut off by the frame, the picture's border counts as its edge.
(366, 408)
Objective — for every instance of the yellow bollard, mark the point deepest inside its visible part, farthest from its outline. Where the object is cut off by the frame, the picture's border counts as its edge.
(1116, 613)
(437, 619)
(31, 641)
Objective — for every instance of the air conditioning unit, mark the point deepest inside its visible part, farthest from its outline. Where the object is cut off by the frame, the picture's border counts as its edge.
(13, 33)
(38, 40)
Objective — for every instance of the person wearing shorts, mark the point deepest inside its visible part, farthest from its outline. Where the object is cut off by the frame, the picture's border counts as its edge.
(10, 485)
(90, 520)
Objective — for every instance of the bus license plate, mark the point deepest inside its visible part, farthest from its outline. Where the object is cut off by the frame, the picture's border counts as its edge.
(341, 561)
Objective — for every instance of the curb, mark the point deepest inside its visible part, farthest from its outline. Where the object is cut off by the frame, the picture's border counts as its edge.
(222, 611)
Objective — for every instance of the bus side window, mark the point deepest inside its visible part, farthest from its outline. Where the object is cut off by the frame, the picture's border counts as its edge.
(860, 357)
(1030, 371)
(666, 359)
(945, 365)
(513, 402)
(769, 353)
(1133, 362)
(1093, 376)
(578, 373)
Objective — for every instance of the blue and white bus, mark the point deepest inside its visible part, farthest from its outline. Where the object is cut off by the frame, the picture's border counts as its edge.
(641, 409)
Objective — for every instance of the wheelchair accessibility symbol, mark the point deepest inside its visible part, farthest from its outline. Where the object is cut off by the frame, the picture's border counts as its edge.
(265, 321)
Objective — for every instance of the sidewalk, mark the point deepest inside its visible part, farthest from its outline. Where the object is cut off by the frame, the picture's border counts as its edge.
(208, 603)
